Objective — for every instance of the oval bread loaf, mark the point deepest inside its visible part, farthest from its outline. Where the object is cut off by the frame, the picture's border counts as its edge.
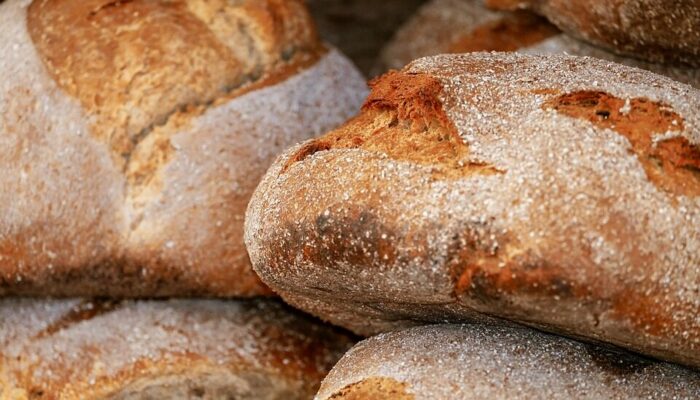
(132, 134)
(443, 362)
(177, 349)
(461, 26)
(659, 31)
(557, 191)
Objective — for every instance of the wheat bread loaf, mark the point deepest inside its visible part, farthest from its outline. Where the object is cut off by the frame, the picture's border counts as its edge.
(150, 349)
(132, 134)
(460, 26)
(556, 191)
(658, 31)
(442, 362)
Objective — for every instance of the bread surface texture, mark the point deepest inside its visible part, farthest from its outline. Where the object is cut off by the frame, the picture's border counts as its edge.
(132, 134)
(556, 191)
(180, 349)
(444, 362)
(658, 31)
(461, 26)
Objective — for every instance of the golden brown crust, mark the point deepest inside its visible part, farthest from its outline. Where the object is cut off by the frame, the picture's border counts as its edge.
(374, 388)
(134, 64)
(134, 132)
(656, 30)
(585, 229)
(173, 349)
(512, 32)
(672, 164)
(407, 123)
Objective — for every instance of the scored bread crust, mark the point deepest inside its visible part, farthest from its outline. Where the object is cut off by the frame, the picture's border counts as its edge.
(658, 31)
(556, 191)
(133, 133)
(209, 349)
(460, 26)
(488, 362)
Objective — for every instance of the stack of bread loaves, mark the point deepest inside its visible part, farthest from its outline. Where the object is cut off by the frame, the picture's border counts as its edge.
(132, 134)
(513, 225)
(495, 191)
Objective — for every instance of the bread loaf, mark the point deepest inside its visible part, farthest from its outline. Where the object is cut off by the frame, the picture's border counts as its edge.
(132, 134)
(658, 31)
(177, 349)
(442, 362)
(556, 191)
(460, 26)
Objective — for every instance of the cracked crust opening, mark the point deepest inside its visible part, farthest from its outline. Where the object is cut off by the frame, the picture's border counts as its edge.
(374, 388)
(653, 129)
(141, 67)
(403, 119)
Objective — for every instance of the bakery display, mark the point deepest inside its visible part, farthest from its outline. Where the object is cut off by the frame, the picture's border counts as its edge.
(461, 26)
(176, 349)
(132, 134)
(443, 362)
(543, 207)
(659, 31)
(555, 191)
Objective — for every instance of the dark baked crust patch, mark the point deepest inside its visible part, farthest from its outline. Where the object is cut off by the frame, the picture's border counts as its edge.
(670, 161)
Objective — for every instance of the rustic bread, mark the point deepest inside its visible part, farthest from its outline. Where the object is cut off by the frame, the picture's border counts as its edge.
(460, 26)
(557, 191)
(443, 362)
(132, 134)
(177, 349)
(659, 31)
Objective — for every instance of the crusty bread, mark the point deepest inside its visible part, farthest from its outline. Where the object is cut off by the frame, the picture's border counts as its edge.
(659, 31)
(132, 134)
(176, 349)
(460, 26)
(556, 191)
(445, 362)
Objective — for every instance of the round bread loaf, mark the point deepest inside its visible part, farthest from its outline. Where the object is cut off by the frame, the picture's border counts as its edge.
(557, 191)
(132, 134)
(442, 362)
(178, 349)
(659, 31)
(461, 26)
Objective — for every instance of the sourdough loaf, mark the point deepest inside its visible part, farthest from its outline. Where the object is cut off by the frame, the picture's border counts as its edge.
(659, 31)
(442, 362)
(461, 26)
(177, 349)
(557, 191)
(132, 134)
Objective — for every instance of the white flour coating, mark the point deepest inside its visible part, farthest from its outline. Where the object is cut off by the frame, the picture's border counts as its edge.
(240, 336)
(573, 202)
(44, 145)
(563, 44)
(66, 208)
(223, 153)
(443, 362)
